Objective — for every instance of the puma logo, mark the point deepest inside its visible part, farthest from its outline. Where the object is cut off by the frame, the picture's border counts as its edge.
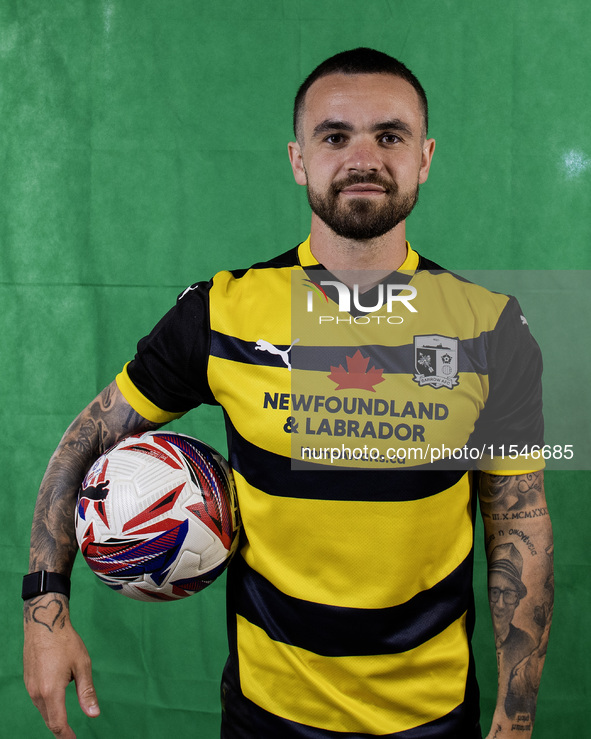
(266, 346)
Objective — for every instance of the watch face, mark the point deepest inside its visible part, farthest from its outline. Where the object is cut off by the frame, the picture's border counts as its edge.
(31, 585)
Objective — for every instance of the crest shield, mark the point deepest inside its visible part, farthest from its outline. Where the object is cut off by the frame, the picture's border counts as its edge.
(436, 361)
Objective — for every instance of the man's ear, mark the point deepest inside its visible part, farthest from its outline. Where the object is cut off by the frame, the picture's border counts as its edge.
(426, 159)
(297, 163)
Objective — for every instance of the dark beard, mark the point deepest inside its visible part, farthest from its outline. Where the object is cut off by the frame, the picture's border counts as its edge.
(362, 218)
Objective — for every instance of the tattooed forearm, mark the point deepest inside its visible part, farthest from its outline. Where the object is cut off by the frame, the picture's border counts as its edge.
(503, 493)
(106, 420)
(520, 555)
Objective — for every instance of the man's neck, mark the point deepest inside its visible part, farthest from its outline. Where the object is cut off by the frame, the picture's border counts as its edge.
(376, 257)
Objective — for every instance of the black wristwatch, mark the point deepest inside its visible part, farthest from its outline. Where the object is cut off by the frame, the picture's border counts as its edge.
(38, 583)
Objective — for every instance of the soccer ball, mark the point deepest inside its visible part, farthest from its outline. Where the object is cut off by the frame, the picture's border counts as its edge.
(157, 516)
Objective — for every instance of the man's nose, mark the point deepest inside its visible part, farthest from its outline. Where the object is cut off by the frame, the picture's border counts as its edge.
(363, 157)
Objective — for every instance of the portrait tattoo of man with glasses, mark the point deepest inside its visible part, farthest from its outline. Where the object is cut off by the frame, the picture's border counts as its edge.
(505, 591)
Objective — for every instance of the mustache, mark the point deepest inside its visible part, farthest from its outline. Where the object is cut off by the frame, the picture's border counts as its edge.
(360, 179)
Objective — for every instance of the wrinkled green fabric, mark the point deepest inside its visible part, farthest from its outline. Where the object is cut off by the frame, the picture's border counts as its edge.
(143, 147)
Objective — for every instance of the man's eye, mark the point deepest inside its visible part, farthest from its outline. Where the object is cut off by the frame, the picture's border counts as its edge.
(390, 138)
(335, 138)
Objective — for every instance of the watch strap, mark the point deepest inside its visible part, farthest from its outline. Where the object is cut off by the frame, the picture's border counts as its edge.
(38, 583)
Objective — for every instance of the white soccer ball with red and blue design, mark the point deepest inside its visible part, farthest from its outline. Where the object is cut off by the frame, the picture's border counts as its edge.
(157, 517)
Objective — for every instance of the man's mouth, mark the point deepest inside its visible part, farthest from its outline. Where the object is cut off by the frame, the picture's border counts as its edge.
(363, 188)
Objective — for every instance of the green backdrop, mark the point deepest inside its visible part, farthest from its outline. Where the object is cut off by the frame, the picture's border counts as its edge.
(143, 147)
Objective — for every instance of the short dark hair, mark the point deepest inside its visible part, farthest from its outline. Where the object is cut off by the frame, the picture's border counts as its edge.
(359, 61)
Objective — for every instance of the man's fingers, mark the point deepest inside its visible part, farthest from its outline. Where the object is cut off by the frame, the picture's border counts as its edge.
(87, 698)
(52, 707)
(85, 688)
(55, 716)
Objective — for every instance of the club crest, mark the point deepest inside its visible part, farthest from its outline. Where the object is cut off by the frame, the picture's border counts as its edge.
(436, 361)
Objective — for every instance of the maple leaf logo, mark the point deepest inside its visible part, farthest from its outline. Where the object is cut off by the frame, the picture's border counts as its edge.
(356, 375)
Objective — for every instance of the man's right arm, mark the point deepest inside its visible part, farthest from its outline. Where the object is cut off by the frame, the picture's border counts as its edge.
(54, 654)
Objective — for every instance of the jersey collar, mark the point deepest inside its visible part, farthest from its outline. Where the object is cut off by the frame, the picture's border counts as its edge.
(307, 259)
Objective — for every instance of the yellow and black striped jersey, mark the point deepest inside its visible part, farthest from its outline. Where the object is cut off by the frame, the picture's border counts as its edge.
(350, 602)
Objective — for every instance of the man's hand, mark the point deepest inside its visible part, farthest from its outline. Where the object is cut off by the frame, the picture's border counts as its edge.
(54, 655)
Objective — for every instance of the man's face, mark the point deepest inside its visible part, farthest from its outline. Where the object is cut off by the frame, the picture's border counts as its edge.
(502, 588)
(361, 152)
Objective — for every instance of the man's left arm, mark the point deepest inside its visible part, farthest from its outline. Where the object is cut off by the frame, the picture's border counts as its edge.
(519, 550)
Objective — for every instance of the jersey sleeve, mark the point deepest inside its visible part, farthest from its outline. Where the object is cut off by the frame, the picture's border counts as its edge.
(511, 424)
(168, 375)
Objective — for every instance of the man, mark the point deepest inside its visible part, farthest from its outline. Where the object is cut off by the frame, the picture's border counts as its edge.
(505, 591)
(350, 604)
